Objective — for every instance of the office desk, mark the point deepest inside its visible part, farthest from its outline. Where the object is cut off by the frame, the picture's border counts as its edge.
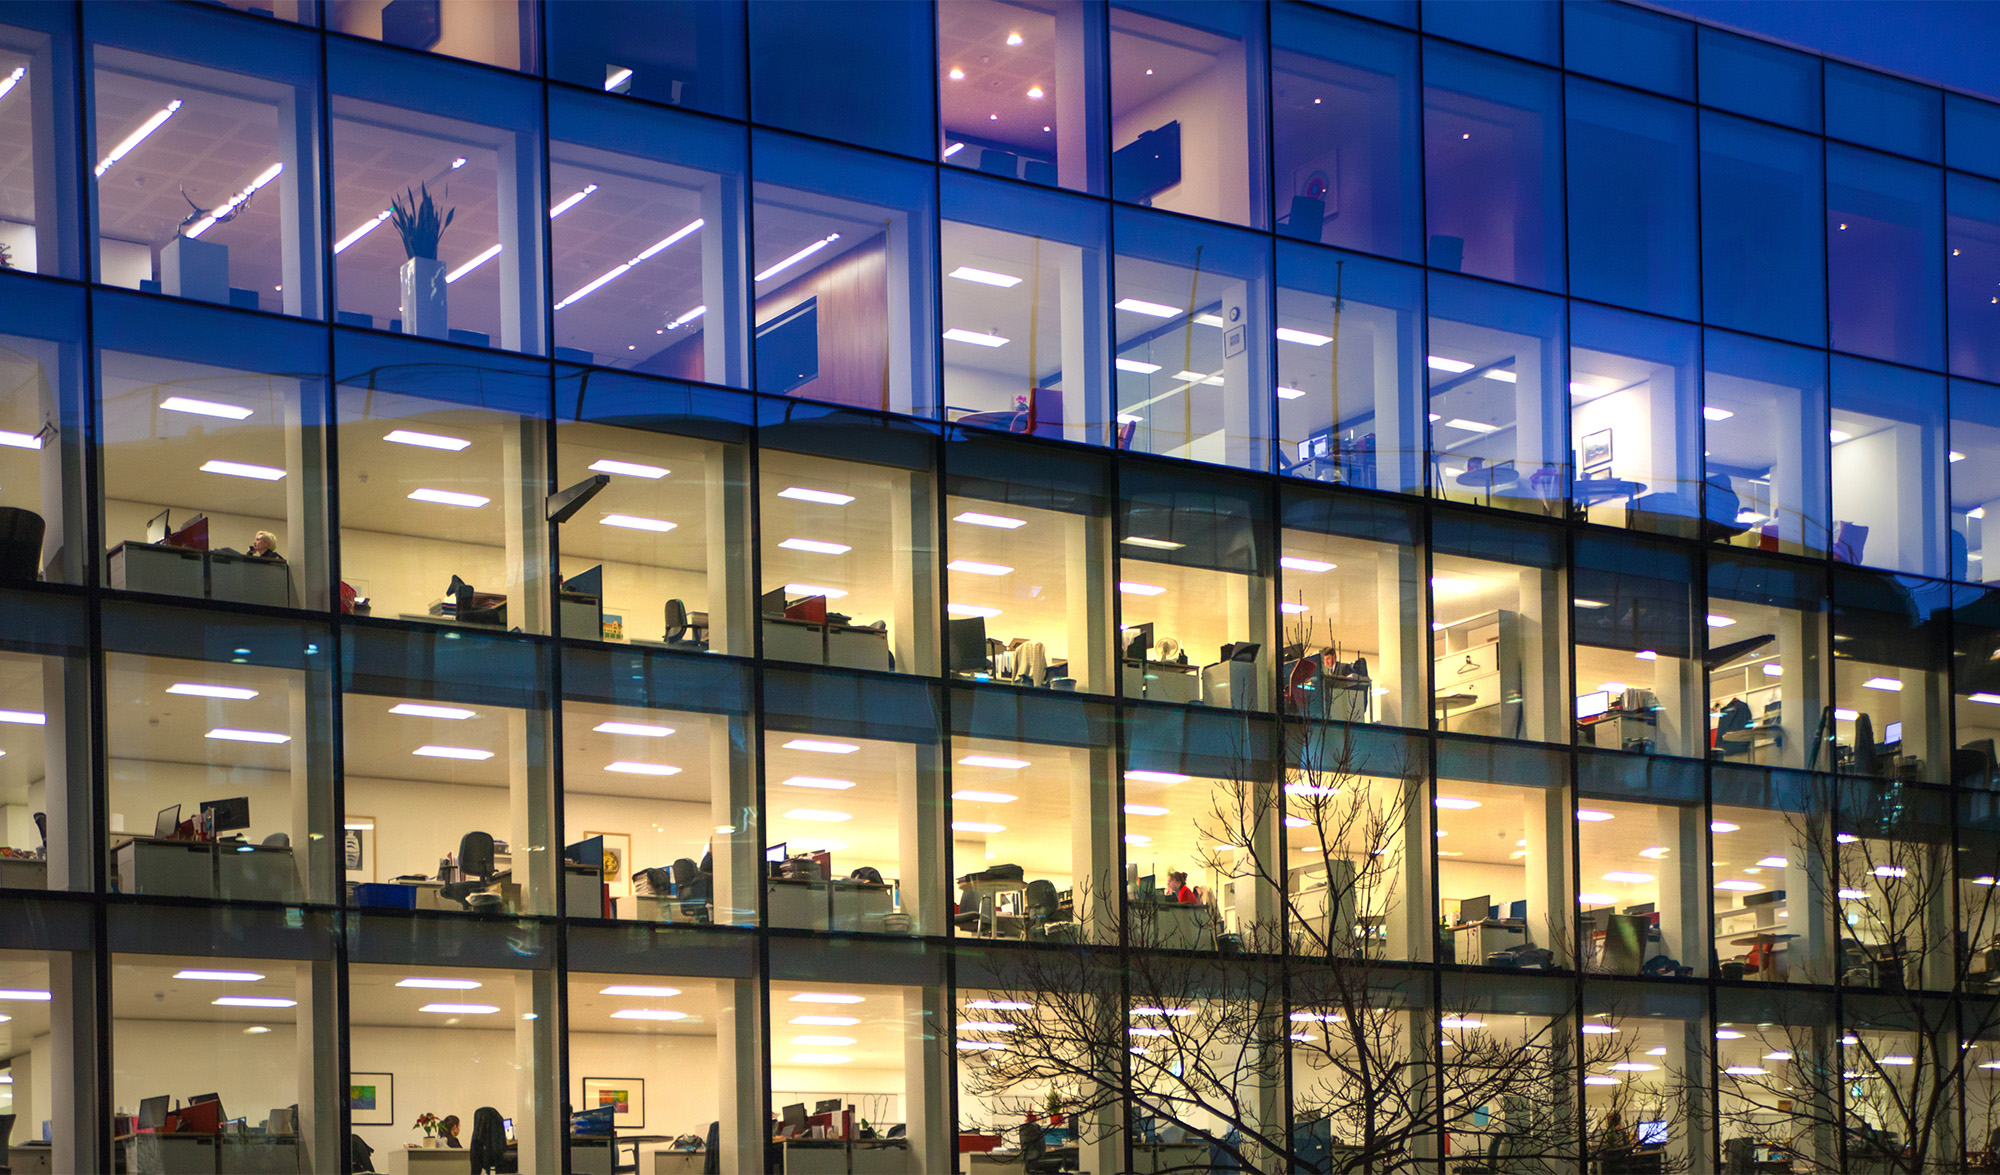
(426, 1160)
(840, 904)
(1473, 941)
(22, 873)
(1010, 1160)
(212, 1154)
(204, 869)
(817, 643)
(245, 580)
(1179, 927)
(1162, 682)
(175, 571)
(679, 1162)
(31, 1158)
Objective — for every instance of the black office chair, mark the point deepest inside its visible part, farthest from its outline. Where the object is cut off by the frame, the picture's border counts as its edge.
(360, 1156)
(685, 629)
(866, 873)
(475, 868)
(694, 888)
(1035, 1150)
(21, 534)
(6, 1133)
(488, 1151)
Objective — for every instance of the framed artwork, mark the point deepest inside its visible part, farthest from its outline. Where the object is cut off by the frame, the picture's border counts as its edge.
(628, 1094)
(357, 853)
(1597, 449)
(371, 1099)
(617, 859)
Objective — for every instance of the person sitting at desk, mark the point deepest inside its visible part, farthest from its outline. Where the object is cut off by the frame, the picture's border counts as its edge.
(448, 1131)
(1178, 890)
(264, 545)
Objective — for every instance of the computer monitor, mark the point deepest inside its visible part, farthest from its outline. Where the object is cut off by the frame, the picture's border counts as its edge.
(966, 639)
(200, 1098)
(778, 853)
(827, 1105)
(229, 814)
(795, 1118)
(588, 583)
(1650, 1133)
(153, 1112)
(507, 1128)
(1592, 704)
(168, 820)
(1892, 733)
(159, 526)
(1138, 640)
(772, 603)
(586, 852)
(1241, 651)
(1475, 909)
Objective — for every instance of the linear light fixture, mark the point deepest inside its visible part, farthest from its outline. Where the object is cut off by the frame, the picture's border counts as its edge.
(663, 1014)
(1308, 338)
(665, 242)
(1471, 425)
(1137, 366)
(421, 710)
(985, 612)
(959, 334)
(219, 976)
(373, 223)
(970, 796)
(684, 319)
(955, 148)
(984, 277)
(469, 754)
(206, 408)
(825, 1021)
(820, 782)
(1140, 589)
(978, 826)
(797, 257)
(637, 522)
(826, 997)
(627, 767)
(628, 468)
(812, 589)
(439, 984)
(617, 78)
(448, 498)
(641, 729)
(428, 440)
(1290, 394)
(1151, 543)
(996, 521)
(230, 205)
(239, 469)
(823, 746)
(998, 762)
(13, 79)
(641, 991)
(1299, 563)
(460, 1009)
(571, 201)
(815, 546)
(226, 734)
(137, 137)
(203, 690)
(1150, 309)
(1711, 413)
(20, 440)
(1168, 777)
(475, 263)
(974, 567)
(823, 497)
(252, 1001)
(818, 815)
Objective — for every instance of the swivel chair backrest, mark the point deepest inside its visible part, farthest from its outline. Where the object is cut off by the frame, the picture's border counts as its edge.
(475, 855)
(21, 534)
(489, 1140)
(1041, 898)
(677, 620)
(1033, 1147)
(684, 873)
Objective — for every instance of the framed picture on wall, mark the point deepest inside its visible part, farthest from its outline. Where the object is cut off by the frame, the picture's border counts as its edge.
(1597, 449)
(617, 859)
(628, 1094)
(357, 852)
(371, 1099)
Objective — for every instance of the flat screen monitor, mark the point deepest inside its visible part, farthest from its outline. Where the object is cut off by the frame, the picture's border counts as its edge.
(507, 1128)
(229, 814)
(967, 639)
(1650, 1133)
(1475, 909)
(159, 526)
(777, 853)
(586, 852)
(168, 820)
(1593, 704)
(827, 1105)
(1892, 733)
(588, 583)
(153, 1112)
(1243, 651)
(795, 1118)
(1138, 640)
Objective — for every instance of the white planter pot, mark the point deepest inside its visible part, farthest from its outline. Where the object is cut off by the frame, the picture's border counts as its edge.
(430, 1142)
(423, 298)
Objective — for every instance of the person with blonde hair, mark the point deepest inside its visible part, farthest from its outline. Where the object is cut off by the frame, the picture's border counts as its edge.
(265, 546)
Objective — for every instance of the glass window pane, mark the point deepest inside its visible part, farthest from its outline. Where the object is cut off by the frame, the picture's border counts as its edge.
(1192, 358)
(1975, 479)
(1884, 257)
(497, 32)
(1356, 841)
(1349, 609)
(400, 127)
(1759, 79)
(678, 52)
(443, 483)
(1631, 200)
(1650, 50)
(1765, 408)
(1972, 135)
(646, 222)
(1976, 692)
(1495, 366)
(1645, 1066)
(1887, 467)
(1020, 92)
(1890, 649)
(42, 434)
(843, 261)
(1524, 28)
(1763, 253)
(1972, 237)
(1767, 663)
(1638, 686)
(1493, 167)
(221, 166)
(1770, 1049)
(807, 55)
(1503, 842)
(1349, 341)
(1773, 915)
(669, 536)
(1194, 575)
(1344, 105)
(1023, 290)
(1498, 659)
(1886, 113)
(1642, 838)
(47, 835)
(1187, 119)
(214, 459)
(1633, 421)
(39, 136)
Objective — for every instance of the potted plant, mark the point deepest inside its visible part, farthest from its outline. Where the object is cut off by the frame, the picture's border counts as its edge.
(428, 1123)
(1055, 1107)
(420, 224)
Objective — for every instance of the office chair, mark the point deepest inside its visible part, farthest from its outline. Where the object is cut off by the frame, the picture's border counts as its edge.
(488, 1151)
(6, 1134)
(694, 889)
(360, 1156)
(475, 867)
(866, 873)
(685, 629)
(1034, 1151)
(1040, 904)
(21, 534)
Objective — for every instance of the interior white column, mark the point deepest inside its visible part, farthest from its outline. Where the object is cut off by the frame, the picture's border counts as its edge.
(539, 1122)
(1242, 407)
(305, 494)
(740, 1070)
(928, 1077)
(1545, 813)
(66, 773)
(1800, 698)
(78, 1120)
(1807, 919)
(921, 845)
(318, 1025)
(725, 335)
(524, 480)
(65, 534)
(298, 204)
(1093, 829)
(1689, 1044)
(57, 245)
(1546, 707)
(1683, 884)
(912, 570)
(531, 826)
(524, 218)
(1082, 117)
(1084, 345)
(315, 829)
(1409, 915)
(1087, 576)
(1399, 631)
(735, 856)
(909, 323)
(726, 473)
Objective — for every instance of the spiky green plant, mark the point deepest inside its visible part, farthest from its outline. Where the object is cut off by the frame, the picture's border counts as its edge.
(418, 222)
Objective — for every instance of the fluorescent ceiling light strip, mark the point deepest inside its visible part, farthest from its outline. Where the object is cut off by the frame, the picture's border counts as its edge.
(636, 522)
(207, 222)
(572, 200)
(226, 734)
(617, 79)
(438, 984)
(971, 796)
(959, 334)
(20, 440)
(657, 246)
(1150, 309)
(626, 767)
(252, 1001)
(137, 137)
(203, 690)
(422, 710)
(428, 440)
(13, 79)
(24, 717)
(641, 991)
(641, 729)
(815, 546)
(822, 782)
(447, 498)
(628, 468)
(239, 469)
(797, 257)
(810, 589)
(460, 1009)
(469, 754)
(1138, 366)
(824, 497)
(662, 1014)
(988, 613)
(340, 246)
(826, 997)
(471, 265)
(984, 277)
(690, 316)
(999, 762)
(206, 408)
(219, 976)
(1289, 335)
(823, 746)
(996, 521)
(974, 567)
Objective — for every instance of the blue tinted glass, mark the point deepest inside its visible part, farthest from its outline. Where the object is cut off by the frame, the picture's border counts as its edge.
(1887, 466)
(1884, 256)
(1493, 166)
(1972, 135)
(1402, 12)
(680, 52)
(1636, 379)
(1631, 200)
(1765, 81)
(1885, 112)
(1190, 136)
(1764, 444)
(1972, 238)
(855, 71)
(1974, 469)
(1344, 113)
(1762, 252)
(1630, 45)
(1525, 28)
(1495, 366)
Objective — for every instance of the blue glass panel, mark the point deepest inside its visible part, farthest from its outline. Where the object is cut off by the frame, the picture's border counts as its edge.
(1762, 80)
(680, 52)
(1649, 50)
(855, 71)
(1879, 111)
(1972, 135)
(1974, 469)
(1887, 468)
(1884, 256)
(1631, 200)
(1762, 251)
(1493, 167)
(1524, 28)
(1972, 238)
(1402, 12)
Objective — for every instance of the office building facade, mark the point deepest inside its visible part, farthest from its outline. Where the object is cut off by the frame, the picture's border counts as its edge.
(1493, 495)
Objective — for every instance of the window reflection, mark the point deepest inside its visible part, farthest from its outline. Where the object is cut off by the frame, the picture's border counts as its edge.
(1186, 132)
(1638, 682)
(1493, 162)
(1886, 470)
(1347, 370)
(38, 136)
(42, 436)
(1496, 648)
(1765, 466)
(1502, 832)
(1496, 358)
(1633, 428)
(1888, 663)
(1348, 611)
(1766, 663)
(1640, 869)
(1019, 92)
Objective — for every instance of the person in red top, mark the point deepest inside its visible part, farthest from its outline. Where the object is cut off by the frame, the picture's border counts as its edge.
(1177, 889)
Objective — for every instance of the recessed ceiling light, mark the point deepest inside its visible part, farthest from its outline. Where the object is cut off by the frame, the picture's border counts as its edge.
(1003, 762)
(439, 984)
(460, 1009)
(977, 610)
(1471, 425)
(252, 1001)
(954, 149)
(1716, 620)
(220, 976)
(624, 767)
(959, 334)
(1152, 543)
(1711, 412)
(956, 74)
(429, 440)
(1157, 777)
(20, 440)
(821, 746)
(636, 728)
(1296, 563)
(205, 408)
(822, 782)
(1891, 684)
(468, 753)
(1456, 803)
(24, 718)
(225, 734)
(825, 1021)
(422, 710)
(815, 546)
(1592, 815)
(1150, 309)
(1838, 437)
(1140, 589)
(200, 690)
(660, 1014)
(970, 796)
(239, 469)
(978, 826)
(447, 497)
(628, 468)
(996, 521)
(1290, 394)
(1722, 826)
(1137, 366)
(633, 989)
(636, 522)
(1145, 810)
(985, 277)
